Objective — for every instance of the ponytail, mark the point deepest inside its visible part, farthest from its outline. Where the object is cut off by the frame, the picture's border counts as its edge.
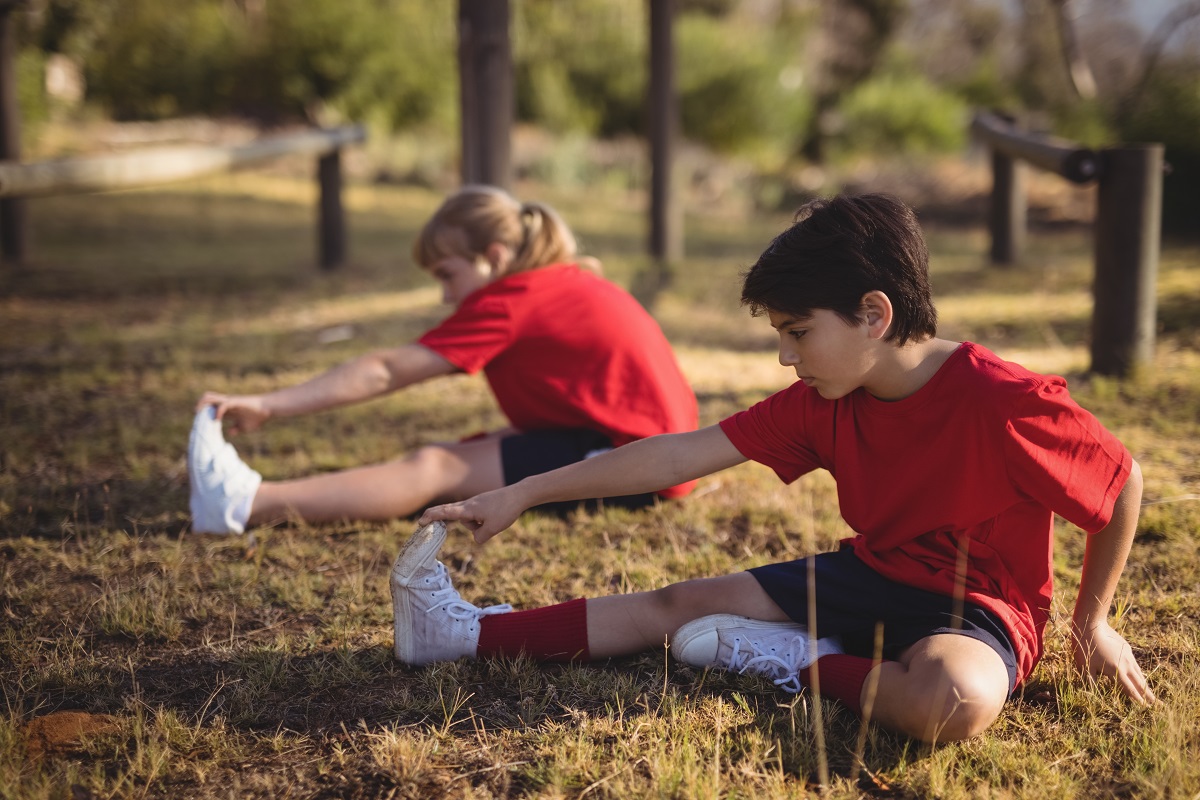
(545, 238)
(475, 217)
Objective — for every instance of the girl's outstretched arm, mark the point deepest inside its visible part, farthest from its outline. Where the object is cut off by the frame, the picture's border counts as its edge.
(361, 379)
(643, 466)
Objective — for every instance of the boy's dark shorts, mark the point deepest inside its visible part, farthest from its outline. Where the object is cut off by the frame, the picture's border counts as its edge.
(534, 452)
(851, 597)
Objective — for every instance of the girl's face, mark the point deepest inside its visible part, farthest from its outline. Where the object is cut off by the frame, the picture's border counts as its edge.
(830, 356)
(460, 276)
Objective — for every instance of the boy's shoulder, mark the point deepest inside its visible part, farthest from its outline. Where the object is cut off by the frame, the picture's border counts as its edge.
(978, 383)
(976, 365)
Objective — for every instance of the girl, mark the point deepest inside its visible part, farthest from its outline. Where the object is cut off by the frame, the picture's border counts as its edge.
(575, 363)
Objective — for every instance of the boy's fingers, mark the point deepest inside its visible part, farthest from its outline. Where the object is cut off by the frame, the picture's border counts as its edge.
(1132, 680)
(451, 512)
(1137, 687)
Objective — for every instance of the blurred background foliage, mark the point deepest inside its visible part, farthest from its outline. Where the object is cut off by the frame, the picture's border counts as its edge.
(775, 83)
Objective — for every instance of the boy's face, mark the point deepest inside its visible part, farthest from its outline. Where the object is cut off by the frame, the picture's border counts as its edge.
(829, 355)
(460, 276)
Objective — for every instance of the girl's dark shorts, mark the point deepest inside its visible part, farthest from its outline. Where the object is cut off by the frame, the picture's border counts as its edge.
(534, 452)
(851, 597)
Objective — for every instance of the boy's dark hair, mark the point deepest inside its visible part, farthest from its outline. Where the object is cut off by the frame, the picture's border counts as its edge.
(835, 252)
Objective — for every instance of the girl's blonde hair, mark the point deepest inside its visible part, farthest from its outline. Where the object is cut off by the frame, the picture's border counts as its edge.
(476, 216)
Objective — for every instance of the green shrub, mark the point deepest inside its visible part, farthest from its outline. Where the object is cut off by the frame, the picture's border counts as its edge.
(31, 92)
(901, 112)
(581, 67)
(738, 89)
(1087, 122)
(391, 61)
(388, 60)
(153, 60)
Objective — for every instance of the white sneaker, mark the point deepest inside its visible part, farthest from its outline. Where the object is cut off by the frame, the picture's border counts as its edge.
(775, 650)
(223, 486)
(433, 623)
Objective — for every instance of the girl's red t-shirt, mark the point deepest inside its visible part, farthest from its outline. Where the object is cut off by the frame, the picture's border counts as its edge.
(984, 454)
(563, 348)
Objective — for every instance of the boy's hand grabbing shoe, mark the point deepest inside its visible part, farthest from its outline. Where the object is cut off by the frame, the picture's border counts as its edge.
(775, 650)
(223, 486)
(433, 623)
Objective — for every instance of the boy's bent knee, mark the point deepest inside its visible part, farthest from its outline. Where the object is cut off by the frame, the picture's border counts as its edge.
(951, 688)
(963, 715)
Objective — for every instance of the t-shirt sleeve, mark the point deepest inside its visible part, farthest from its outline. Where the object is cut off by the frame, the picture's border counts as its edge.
(478, 331)
(774, 433)
(1061, 456)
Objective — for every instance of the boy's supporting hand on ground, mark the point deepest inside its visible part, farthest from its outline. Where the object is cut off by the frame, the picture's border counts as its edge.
(1098, 649)
(1101, 651)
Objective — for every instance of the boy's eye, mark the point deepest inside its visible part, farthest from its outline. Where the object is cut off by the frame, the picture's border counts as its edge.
(796, 334)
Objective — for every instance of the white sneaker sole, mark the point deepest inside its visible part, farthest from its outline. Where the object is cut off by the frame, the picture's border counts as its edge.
(418, 551)
(697, 643)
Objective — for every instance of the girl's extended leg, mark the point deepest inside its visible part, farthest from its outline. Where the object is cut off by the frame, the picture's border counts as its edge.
(227, 495)
(438, 472)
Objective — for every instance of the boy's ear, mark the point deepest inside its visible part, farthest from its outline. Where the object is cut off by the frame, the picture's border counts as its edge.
(877, 313)
(498, 257)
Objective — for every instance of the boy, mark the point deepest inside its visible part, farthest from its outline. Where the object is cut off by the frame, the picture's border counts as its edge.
(950, 465)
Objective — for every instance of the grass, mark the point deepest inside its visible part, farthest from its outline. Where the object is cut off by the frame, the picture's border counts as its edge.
(264, 669)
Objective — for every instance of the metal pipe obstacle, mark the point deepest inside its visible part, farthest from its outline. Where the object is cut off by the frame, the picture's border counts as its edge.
(1128, 229)
(149, 166)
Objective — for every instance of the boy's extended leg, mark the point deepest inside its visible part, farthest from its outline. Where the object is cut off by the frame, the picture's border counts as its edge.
(943, 688)
(620, 625)
(432, 622)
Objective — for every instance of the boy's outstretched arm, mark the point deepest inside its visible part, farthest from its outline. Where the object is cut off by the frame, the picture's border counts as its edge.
(1098, 649)
(643, 466)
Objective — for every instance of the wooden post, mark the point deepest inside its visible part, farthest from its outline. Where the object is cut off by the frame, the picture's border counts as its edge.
(331, 225)
(1127, 241)
(666, 218)
(485, 70)
(13, 227)
(1007, 215)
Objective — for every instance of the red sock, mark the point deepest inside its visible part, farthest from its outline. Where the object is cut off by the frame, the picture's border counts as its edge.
(552, 633)
(842, 678)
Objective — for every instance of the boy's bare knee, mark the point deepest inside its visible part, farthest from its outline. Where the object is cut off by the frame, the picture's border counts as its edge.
(954, 711)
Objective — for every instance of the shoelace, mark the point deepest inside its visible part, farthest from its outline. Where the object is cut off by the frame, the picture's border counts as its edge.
(448, 597)
(782, 670)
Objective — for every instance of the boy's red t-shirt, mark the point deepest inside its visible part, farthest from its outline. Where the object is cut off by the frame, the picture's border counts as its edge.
(985, 453)
(563, 348)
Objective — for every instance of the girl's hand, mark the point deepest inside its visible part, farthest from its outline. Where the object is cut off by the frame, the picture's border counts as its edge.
(1101, 651)
(246, 412)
